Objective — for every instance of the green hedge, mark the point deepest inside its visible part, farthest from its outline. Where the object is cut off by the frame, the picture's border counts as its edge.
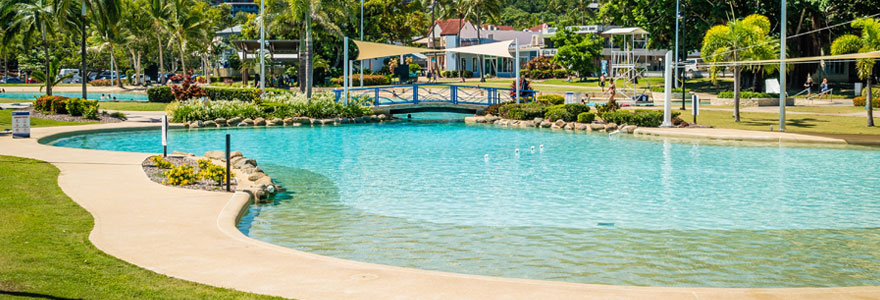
(565, 112)
(638, 117)
(745, 95)
(454, 73)
(551, 99)
(243, 94)
(368, 80)
(527, 111)
(160, 94)
(586, 117)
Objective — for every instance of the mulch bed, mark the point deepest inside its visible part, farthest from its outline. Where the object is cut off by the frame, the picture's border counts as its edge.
(69, 118)
(157, 175)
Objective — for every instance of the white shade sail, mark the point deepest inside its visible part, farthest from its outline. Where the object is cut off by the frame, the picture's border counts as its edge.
(498, 49)
(368, 50)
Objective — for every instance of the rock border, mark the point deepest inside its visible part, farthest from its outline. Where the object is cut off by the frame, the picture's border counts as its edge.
(610, 128)
(289, 121)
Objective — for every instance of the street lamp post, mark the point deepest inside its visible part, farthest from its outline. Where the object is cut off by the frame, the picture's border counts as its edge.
(262, 49)
(82, 69)
(782, 85)
(677, 16)
(683, 70)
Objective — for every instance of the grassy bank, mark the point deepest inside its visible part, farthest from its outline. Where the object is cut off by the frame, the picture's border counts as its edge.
(6, 121)
(46, 252)
(794, 122)
(11, 100)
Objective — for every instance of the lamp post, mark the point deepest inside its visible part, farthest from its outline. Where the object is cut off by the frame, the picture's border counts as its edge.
(677, 16)
(683, 69)
(262, 49)
(82, 69)
(361, 62)
(782, 85)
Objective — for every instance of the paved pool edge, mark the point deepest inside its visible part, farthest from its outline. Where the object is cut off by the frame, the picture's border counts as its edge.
(192, 235)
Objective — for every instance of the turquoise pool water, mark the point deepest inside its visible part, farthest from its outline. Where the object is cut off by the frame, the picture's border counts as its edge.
(29, 96)
(588, 208)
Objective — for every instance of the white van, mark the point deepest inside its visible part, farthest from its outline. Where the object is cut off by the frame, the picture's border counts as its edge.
(73, 79)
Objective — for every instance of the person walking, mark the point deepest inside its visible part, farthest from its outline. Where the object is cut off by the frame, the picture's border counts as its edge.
(809, 85)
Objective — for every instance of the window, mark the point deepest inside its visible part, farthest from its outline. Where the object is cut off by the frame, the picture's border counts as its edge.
(463, 64)
(475, 64)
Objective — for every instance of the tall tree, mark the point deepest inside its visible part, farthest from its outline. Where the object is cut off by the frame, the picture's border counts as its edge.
(187, 23)
(869, 41)
(483, 9)
(158, 11)
(106, 30)
(36, 17)
(304, 12)
(739, 40)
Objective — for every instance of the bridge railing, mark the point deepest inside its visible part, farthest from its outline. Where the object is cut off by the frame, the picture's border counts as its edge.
(433, 93)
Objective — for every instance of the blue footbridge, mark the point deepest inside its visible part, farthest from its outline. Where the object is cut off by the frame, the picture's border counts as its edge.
(431, 97)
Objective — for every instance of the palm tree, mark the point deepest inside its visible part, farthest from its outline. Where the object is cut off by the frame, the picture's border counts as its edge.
(106, 32)
(492, 11)
(31, 18)
(186, 24)
(868, 42)
(321, 12)
(739, 40)
(136, 26)
(158, 12)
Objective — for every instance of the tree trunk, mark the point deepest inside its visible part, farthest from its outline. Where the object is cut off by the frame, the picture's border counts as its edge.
(139, 70)
(49, 80)
(736, 78)
(116, 70)
(161, 76)
(182, 58)
(309, 56)
(869, 104)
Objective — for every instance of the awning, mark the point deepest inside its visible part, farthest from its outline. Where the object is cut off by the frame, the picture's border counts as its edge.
(368, 50)
(499, 49)
(625, 31)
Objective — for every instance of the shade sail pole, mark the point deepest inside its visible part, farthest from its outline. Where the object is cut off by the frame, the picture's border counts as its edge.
(516, 68)
(782, 84)
(667, 104)
(345, 67)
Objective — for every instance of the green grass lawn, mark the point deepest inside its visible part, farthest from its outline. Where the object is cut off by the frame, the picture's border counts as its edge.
(794, 123)
(6, 121)
(828, 109)
(133, 106)
(46, 251)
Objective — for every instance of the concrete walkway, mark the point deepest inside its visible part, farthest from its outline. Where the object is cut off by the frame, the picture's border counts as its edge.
(191, 235)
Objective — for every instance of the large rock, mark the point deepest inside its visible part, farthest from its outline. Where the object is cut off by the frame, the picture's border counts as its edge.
(471, 119)
(526, 124)
(259, 122)
(209, 123)
(610, 127)
(538, 120)
(629, 128)
(221, 122)
(302, 120)
(491, 119)
(216, 154)
(546, 124)
(274, 122)
(581, 126)
(245, 161)
(265, 180)
(481, 119)
(569, 126)
(185, 124)
(256, 176)
(359, 119)
(233, 122)
(287, 121)
(560, 123)
(247, 122)
(235, 154)
(326, 121)
(596, 127)
(382, 117)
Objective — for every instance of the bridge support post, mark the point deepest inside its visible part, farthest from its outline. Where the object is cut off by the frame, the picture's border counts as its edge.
(415, 91)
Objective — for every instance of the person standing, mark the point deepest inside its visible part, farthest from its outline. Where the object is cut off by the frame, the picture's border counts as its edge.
(612, 89)
(602, 82)
(809, 85)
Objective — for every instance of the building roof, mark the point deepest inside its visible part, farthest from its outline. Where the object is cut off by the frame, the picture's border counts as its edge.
(625, 31)
(497, 27)
(449, 26)
(539, 28)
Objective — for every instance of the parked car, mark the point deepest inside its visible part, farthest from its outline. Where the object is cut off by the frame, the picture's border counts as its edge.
(73, 79)
(107, 75)
(144, 78)
(10, 79)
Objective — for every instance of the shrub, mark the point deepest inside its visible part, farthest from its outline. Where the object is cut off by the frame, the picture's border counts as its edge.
(743, 95)
(180, 175)
(225, 93)
(368, 80)
(468, 73)
(117, 115)
(639, 117)
(576, 109)
(449, 74)
(211, 171)
(197, 110)
(560, 74)
(160, 162)
(860, 101)
(414, 68)
(875, 93)
(90, 112)
(551, 99)
(558, 112)
(586, 117)
(51, 104)
(611, 106)
(493, 109)
(78, 107)
(526, 111)
(105, 82)
(187, 90)
(160, 94)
